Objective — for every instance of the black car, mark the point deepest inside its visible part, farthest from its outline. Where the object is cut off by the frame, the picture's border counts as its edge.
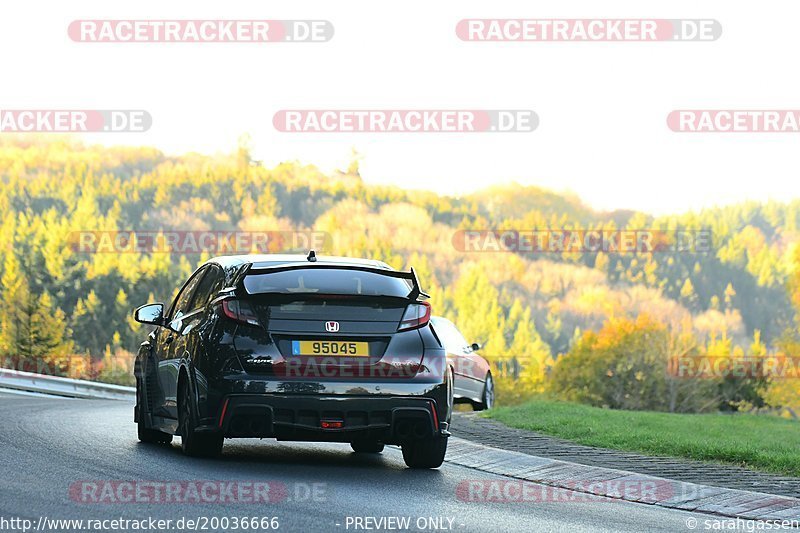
(296, 348)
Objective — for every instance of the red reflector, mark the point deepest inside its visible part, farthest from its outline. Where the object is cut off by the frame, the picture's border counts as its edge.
(435, 416)
(331, 424)
(224, 409)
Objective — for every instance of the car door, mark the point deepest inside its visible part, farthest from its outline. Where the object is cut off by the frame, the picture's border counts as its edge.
(188, 327)
(474, 367)
(467, 369)
(450, 340)
(168, 352)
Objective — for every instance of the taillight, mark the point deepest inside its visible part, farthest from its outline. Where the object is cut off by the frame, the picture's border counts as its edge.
(416, 316)
(240, 312)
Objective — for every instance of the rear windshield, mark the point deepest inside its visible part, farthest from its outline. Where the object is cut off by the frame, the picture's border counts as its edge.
(327, 281)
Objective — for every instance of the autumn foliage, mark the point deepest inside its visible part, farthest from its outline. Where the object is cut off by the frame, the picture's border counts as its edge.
(592, 327)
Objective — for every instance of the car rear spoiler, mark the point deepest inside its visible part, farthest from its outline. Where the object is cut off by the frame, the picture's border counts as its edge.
(415, 293)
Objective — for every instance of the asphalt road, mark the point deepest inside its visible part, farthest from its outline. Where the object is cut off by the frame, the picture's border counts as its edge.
(48, 445)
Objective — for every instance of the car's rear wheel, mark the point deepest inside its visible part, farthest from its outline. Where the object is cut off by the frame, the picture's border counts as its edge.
(194, 443)
(429, 452)
(366, 446)
(487, 399)
(425, 453)
(145, 434)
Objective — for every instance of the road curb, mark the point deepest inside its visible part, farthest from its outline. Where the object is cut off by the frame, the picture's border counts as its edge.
(598, 482)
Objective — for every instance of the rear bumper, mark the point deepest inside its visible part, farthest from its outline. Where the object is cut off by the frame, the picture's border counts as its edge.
(388, 419)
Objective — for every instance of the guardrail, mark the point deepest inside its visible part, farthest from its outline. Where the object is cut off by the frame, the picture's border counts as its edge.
(56, 386)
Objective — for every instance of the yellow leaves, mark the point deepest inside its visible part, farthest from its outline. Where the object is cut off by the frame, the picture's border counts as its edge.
(601, 262)
(687, 291)
(784, 394)
(758, 348)
(729, 293)
(794, 280)
(687, 294)
(596, 301)
(91, 303)
(617, 329)
(54, 188)
(716, 323)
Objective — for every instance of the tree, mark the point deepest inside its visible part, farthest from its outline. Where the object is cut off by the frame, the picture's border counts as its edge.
(730, 292)
(624, 366)
(54, 190)
(88, 319)
(479, 314)
(532, 354)
(33, 333)
(688, 296)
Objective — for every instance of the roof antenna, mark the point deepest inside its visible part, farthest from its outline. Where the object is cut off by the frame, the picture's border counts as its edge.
(312, 257)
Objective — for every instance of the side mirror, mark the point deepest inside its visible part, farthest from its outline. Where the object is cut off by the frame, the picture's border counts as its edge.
(475, 346)
(150, 314)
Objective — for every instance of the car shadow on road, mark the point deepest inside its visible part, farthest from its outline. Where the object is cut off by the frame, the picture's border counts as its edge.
(270, 456)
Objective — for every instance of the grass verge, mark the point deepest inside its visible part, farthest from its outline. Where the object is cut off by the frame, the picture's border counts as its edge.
(764, 443)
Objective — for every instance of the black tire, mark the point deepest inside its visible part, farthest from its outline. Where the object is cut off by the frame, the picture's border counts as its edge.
(487, 398)
(429, 452)
(145, 434)
(194, 443)
(425, 453)
(366, 446)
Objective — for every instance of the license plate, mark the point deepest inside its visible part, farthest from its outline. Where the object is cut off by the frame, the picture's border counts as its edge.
(334, 348)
